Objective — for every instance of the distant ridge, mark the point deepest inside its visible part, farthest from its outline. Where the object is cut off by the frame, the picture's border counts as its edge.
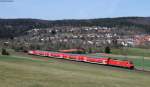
(17, 27)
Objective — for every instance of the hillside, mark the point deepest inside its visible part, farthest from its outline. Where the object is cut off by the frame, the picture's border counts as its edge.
(16, 27)
(34, 71)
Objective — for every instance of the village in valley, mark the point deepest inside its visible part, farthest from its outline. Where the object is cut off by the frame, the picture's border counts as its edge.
(92, 38)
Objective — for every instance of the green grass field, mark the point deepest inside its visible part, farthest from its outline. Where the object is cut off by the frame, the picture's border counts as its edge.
(18, 71)
(128, 51)
(132, 52)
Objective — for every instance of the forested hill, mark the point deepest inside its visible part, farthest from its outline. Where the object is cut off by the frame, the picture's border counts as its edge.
(16, 27)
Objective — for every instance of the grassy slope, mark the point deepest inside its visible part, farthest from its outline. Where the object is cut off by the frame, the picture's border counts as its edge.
(132, 52)
(21, 72)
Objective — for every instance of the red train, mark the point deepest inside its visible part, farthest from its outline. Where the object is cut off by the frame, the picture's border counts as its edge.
(83, 58)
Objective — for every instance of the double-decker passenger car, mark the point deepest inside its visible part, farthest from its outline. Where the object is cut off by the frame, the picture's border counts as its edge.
(83, 58)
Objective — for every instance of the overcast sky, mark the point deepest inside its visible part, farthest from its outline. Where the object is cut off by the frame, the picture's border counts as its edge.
(73, 9)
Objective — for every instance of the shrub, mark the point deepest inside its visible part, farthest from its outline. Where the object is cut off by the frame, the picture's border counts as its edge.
(4, 52)
(107, 50)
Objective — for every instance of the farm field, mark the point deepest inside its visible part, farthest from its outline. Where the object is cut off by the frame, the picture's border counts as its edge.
(35, 71)
(128, 51)
(132, 52)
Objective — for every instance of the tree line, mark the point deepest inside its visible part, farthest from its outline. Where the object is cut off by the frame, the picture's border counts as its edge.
(10, 28)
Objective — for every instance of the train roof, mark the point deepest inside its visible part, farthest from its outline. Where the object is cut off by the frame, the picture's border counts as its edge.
(74, 54)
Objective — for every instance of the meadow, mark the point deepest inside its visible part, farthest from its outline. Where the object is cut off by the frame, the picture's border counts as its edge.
(132, 52)
(34, 71)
